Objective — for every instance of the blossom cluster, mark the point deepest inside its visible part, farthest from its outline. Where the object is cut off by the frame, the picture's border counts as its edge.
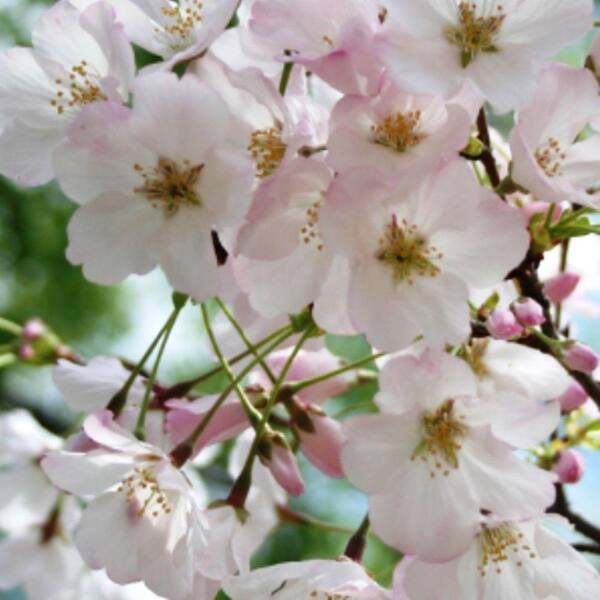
(298, 169)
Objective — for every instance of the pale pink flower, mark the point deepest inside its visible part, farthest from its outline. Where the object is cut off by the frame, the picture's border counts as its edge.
(434, 46)
(282, 236)
(548, 159)
(152, 189)
(431, 461)
(570, 467)
(78, 58)
(503, 325)
(413, 255)
(143, 522)
(334, 40)
(505, 560)
(308, 579)
(404, 136)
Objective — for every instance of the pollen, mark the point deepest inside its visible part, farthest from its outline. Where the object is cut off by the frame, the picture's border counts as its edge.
(550, 157)
(181, 22)
(407, 253)
(267, 150)
(475, 33)
(440, 444)
(309, 232)
(170, 185)
(499, 545)
(143, 493)
(79, 89)
(398, 131)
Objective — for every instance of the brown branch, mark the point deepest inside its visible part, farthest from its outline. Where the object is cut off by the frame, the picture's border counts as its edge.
(589, 548)
(486, 157)
(561, 506)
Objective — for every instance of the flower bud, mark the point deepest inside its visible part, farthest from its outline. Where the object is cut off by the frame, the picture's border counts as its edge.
(570, 467)
(26, 353)
(323, 446)
(33, 329)
(559, 288)
(528, 312)
(541, 208)
(280, 460)
(580, 357)
(502, 324)
(574, 397)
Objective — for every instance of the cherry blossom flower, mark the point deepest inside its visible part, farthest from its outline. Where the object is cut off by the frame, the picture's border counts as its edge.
(334, 40)
(431, 462)
(308, 579)
(77, 59)
(404, 136)
(413, 254)
(152, 192)
(434, 46)
(548, 159)
(505, 560)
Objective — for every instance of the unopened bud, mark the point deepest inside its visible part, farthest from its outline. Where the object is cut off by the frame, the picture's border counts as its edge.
(580, 357)
(541, 208)
(574, 397)
(570, 467)
(323, 446)
(559, 288)
(33, 329)
(502, 324)
(26, 353)
(528, 312)
(277, 456)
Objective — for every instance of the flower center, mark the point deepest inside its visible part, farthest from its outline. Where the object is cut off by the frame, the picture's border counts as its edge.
(267, 149)
(169, 185)
(499, 545)
(181, 23)
(406, 253)
(81, 88)
(475, 33)
(442, 432)
(550, 157)
(309, 232)
(143, 494)
(398, 131)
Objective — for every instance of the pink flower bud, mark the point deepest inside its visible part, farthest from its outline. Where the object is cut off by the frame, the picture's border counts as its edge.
(580, 357)
(284, 467)
(528, 312)
(574, 397)
(323, 446)
(33, 329)
(541, 208)
(26, 352)
(570, 467)
(502, 324)
(559, 288)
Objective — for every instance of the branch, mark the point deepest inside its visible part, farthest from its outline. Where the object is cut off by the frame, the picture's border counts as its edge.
(486, 157)
(561, 506)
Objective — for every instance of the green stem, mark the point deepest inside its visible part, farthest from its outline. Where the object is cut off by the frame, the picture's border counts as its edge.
(140, 426)
(118, 401)
(253, 414)
(185, 449)
(288, 515)
(300, 385)
(241, 486)
(10, 327)
(7, 359)
(245, 339)
(285, 77)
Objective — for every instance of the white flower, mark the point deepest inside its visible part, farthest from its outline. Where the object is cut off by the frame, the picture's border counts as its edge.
(314, 579)
(434, 46)
(155, 182)
(77, 59)
(430, 462)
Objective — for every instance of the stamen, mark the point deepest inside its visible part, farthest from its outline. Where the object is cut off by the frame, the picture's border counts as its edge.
(550, 157)
(141, 489)
(495, 544)
(169, 185)
(406, 253)
(267, 150)
(180, 29)
(309, 232)
(81, 88)
(475, 33)
(399, 131)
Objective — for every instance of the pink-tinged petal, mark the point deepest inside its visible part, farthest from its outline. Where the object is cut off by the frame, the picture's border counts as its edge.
(390, 438)
(414, 578)
(283, 466)
(426, 381)
(323, 446)
(113, 237)
(26, 153)
(86, 474)
(505, 485)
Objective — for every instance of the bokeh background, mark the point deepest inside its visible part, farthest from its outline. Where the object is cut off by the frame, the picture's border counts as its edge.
(37, 281)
